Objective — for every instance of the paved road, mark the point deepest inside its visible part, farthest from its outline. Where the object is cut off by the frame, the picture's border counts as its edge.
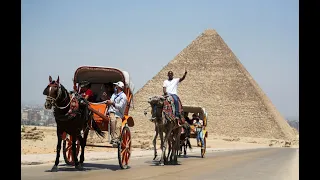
(254, 164)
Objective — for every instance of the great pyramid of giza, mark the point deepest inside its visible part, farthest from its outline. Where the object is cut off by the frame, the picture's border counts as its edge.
(217, 81)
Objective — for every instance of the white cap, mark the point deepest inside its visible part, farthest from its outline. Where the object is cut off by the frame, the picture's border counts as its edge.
(120, 84)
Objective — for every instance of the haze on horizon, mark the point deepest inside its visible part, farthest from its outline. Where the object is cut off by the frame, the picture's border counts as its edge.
(142, 37)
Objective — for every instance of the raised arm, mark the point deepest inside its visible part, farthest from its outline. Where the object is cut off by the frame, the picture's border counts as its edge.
(184, 76)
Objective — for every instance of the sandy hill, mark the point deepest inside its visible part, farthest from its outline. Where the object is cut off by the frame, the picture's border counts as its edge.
(218, 82)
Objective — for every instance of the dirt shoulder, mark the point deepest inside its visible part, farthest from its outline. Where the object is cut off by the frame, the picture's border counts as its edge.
(43, 140)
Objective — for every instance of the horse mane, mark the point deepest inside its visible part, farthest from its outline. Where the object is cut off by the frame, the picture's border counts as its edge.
(66, 100)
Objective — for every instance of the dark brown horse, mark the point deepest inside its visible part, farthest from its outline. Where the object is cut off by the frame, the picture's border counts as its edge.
(185, 141)
(59, 98)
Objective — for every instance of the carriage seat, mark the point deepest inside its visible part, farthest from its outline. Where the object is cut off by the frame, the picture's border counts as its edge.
(102, 108)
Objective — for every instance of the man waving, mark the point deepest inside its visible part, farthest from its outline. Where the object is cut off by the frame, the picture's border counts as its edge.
(170, 86)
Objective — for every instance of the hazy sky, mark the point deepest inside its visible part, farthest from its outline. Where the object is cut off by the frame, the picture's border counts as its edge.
(143, 36)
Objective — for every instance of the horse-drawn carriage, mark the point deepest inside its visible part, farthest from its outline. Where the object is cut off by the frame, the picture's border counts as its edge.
(98, 76)
(203, 118)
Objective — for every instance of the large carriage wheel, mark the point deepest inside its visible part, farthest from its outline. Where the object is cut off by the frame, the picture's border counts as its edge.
(67, 150)
(124, 148)
(203, 150)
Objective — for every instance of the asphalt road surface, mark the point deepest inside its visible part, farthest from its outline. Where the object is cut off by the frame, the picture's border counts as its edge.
(253, 164)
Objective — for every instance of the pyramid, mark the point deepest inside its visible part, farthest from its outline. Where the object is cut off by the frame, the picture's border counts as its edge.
(217, 81)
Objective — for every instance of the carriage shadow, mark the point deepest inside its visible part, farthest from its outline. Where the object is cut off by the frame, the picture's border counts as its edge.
(88, 167)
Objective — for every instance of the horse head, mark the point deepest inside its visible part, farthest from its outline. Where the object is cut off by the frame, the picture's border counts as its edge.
(156, 103)
(53, 92)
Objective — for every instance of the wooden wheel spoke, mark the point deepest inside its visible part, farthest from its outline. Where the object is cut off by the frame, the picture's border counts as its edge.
(125, 149)
(123, 144)
(124, 137)
(127, 156)
(69, 155)
(68, 148)
(128, 142)
(123, 155)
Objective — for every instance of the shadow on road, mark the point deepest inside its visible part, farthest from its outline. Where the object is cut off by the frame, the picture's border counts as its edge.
(190, 156)
(88, 167)
(156, 163)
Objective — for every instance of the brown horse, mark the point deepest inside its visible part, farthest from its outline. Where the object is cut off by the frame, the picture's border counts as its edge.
(169, 126)
(59, 98)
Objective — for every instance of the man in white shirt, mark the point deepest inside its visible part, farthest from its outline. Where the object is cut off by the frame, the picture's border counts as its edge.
(117, 105)
(170, 87)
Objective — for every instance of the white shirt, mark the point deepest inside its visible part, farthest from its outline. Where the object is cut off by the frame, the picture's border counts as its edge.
(171, 86)
(120, 104)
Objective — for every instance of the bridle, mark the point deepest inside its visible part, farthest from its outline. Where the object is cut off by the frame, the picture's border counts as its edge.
(52, 100)
(154, 108)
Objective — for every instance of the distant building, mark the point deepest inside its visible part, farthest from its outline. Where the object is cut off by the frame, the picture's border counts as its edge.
(24, 115)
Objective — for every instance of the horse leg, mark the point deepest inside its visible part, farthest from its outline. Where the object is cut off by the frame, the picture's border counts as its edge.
(83, 143)
(180, 147)
(74, 153)
(185, 147)
(155, 141)
(172, 147)
(163, 154)
(177, 136)
(56, 163)
(160, 132)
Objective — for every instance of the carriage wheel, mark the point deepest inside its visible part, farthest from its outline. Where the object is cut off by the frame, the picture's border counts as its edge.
(124, 148)
(67, 150)
(203, 150)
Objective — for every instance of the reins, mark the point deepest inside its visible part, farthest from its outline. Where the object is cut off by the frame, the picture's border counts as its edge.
(53, 100)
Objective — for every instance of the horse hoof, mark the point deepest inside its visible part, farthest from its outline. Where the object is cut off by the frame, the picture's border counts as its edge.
(54, 169)
(80, 167)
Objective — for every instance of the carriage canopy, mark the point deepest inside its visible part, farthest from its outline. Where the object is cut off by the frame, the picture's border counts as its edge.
(198, 110)
(98, 74)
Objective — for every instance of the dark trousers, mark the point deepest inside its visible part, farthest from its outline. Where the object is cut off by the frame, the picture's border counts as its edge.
(176, 104)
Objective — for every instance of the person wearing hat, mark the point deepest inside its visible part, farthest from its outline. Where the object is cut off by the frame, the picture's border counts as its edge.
(170, 87)
(85, 90)
(198, 125)
(117, 105)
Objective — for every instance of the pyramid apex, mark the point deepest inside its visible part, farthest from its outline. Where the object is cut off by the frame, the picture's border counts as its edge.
(210, 32)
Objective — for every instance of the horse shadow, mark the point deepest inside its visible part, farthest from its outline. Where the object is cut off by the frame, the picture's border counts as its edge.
(157, 163)
(88, 167)
(190, 156)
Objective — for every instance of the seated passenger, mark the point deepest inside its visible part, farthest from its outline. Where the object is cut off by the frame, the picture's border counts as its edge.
(109, 90)
(186, 117)
(85, 91)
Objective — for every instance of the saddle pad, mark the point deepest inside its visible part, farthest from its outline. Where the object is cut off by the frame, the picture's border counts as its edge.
(168, 111)
(100, 108)
(171, 100)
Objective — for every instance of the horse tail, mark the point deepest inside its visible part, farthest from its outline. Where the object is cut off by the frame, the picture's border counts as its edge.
(96, 128)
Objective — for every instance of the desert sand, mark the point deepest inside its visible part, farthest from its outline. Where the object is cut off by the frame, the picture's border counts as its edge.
(43, 140)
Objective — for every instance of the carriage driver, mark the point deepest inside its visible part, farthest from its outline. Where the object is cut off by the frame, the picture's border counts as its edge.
(117, 105)
(170, 87)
